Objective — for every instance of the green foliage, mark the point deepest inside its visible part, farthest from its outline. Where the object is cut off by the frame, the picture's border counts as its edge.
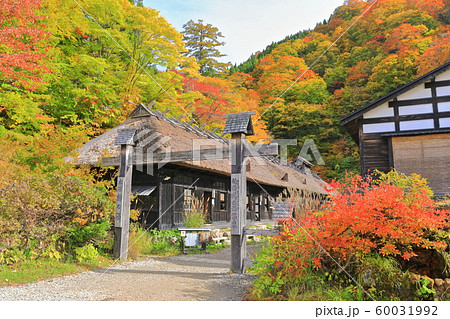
(97, 233)
(194, 220)
(194, 213)
(383, 278)
(267, 286)
(413, 185)
(423, 290)
(153, 242)
(44, 215)
(50, 252)
(12, 256)
(202, 41)
(87, 255)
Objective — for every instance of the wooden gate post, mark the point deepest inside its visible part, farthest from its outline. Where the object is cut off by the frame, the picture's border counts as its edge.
(122, 218)
(238, 203)
(239, 125)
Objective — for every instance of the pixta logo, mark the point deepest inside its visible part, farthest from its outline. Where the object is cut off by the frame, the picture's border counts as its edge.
(153, 150)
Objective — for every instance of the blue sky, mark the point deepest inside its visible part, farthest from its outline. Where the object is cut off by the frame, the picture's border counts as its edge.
(247, 25)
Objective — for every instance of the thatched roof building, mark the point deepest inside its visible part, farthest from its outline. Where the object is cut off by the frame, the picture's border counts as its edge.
(156, 132)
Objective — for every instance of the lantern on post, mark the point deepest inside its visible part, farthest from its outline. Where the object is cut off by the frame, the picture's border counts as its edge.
(239, 125)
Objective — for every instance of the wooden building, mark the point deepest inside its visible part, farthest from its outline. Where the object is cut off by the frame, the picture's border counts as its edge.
(408, 129)
(164, 191)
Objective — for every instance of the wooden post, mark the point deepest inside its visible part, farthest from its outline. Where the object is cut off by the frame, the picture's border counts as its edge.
(122, 219)
(239, 126)
(238, 203)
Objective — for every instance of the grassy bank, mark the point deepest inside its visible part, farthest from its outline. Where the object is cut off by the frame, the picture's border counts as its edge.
(41, 269)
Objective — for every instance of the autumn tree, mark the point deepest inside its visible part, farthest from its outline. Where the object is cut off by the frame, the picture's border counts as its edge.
(202, 41)
(23, 65)
(22, 41)
(108, 57)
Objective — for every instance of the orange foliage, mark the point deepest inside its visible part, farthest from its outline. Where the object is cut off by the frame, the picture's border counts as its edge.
(361, 217)
(433, 7)
(436, 55)
(404, 38)
(22, 40)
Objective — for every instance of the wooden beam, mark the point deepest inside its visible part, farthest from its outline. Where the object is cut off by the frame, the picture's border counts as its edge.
(425, 116)
(437, 84)
(428, 100)
(238, 203)
(122, 218)
(140, 158)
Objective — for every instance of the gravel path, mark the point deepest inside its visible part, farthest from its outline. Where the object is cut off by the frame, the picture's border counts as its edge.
(179, 278)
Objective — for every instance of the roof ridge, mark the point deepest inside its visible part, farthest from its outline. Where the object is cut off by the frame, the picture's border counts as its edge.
(145, 111)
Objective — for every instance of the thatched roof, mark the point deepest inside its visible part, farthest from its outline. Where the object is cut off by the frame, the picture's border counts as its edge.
(173, 135)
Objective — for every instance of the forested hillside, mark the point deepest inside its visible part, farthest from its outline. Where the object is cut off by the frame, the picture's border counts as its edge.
(71, 70)
(365, 50)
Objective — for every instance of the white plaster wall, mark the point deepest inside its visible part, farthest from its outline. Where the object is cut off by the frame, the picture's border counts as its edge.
(418, 92)
(379, 127)
(444, 122)
(444, 76)
(416, 125)
(444, 107)
(443, 91)
(415, 109)
(380, 111)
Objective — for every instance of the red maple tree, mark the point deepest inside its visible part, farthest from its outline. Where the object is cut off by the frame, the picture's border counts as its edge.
(23, 45)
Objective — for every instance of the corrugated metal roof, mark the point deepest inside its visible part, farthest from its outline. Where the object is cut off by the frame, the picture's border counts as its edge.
(142, 190)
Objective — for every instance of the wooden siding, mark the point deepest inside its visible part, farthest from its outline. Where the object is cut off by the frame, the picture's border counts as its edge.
(166, 208)
(374, 152)
(168, 200)
(427, 155)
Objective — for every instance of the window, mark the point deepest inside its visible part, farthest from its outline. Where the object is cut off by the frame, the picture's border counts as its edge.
(257, 204)
(187, 199)
(222, 201)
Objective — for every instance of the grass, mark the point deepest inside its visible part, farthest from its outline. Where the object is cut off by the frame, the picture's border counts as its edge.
(34, 270)
(47, 268)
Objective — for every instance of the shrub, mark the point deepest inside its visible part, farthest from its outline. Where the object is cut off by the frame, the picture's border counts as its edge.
(97, 233)
(194, 214)
(87, 255)
(383, 277)
(369, 229)
(153, 242)
(366, 216)
(36, 209)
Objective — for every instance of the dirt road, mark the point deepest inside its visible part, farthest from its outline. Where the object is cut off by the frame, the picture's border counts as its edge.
(179, 278)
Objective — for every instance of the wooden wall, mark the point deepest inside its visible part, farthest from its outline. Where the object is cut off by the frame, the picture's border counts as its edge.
(173, 181)
(375, 153)
(427, 155)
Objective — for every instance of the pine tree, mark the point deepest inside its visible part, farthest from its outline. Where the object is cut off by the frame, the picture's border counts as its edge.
(202, 41)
